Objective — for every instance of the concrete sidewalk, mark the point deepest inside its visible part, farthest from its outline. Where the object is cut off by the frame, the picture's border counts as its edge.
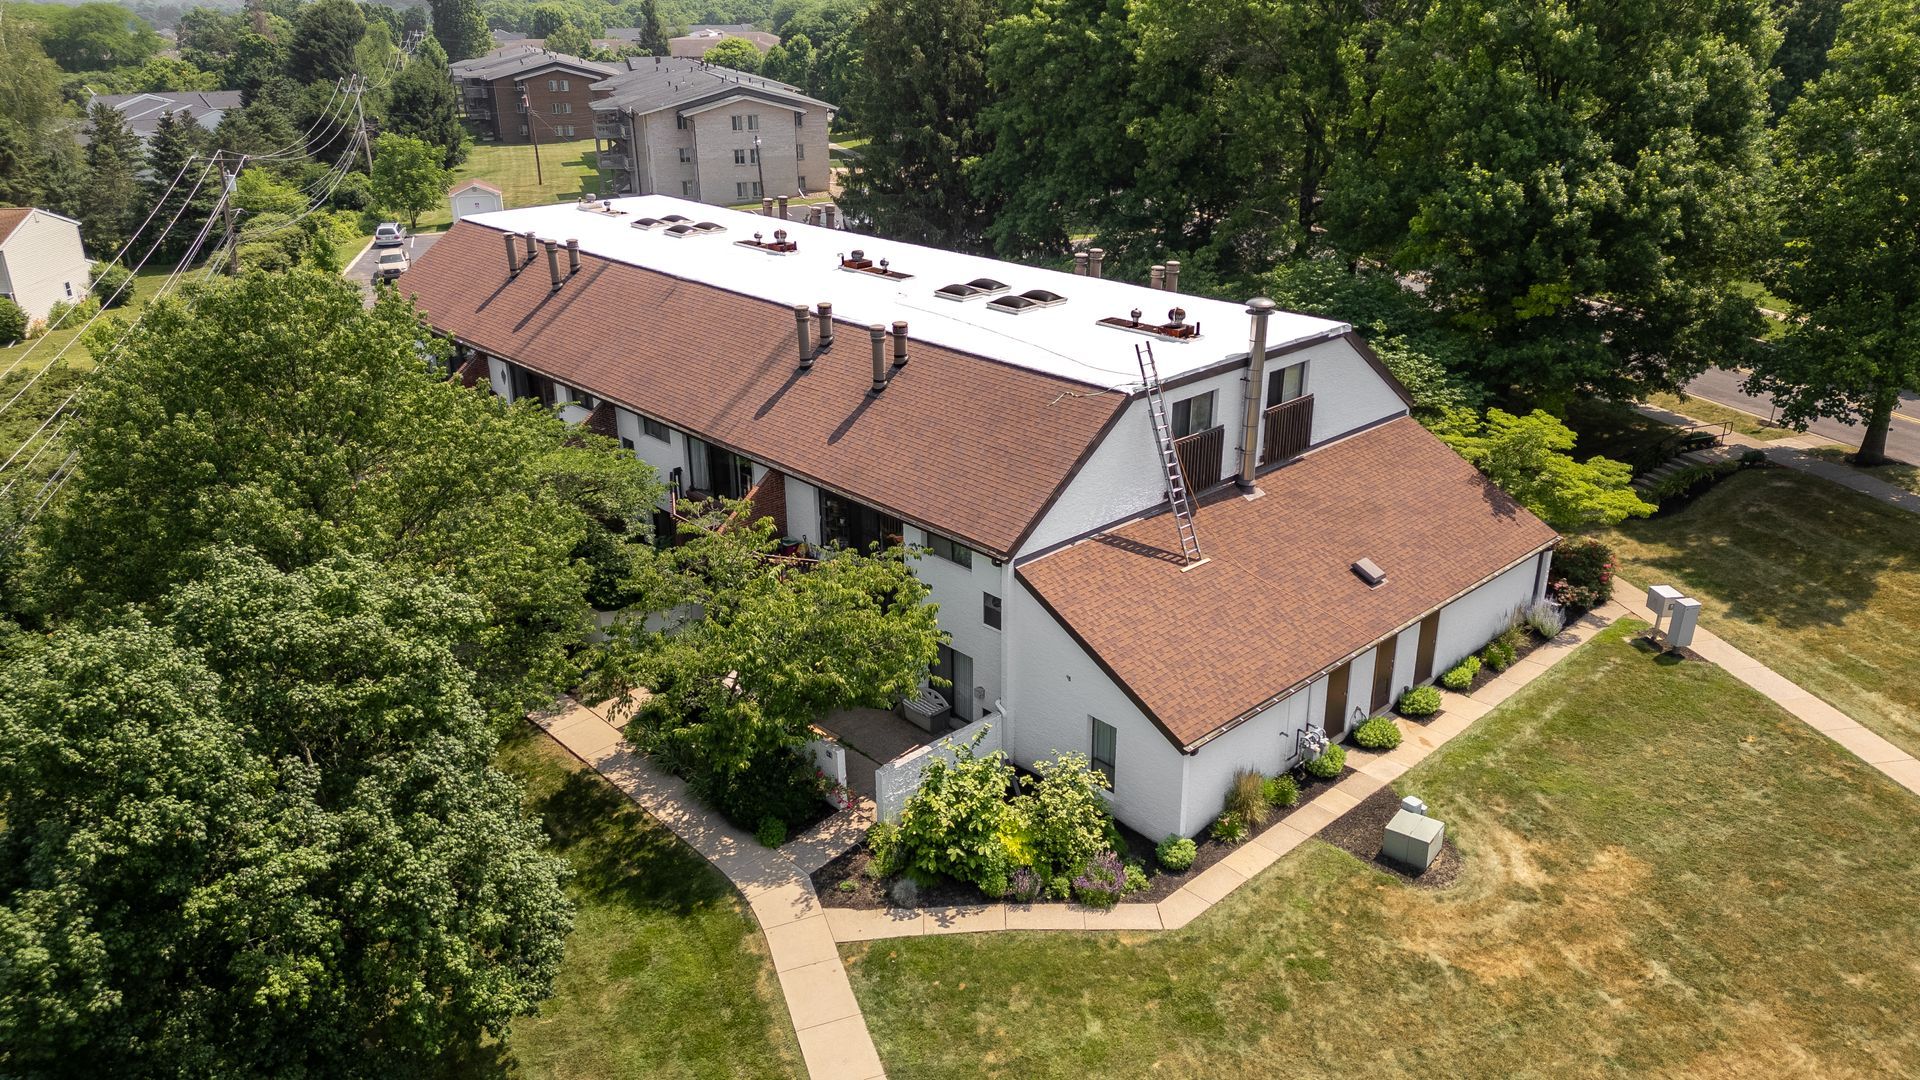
(1792, 453)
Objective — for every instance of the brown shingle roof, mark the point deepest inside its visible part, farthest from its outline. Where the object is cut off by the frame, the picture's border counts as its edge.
(967, 446)
(10, 219)
(1278, 603)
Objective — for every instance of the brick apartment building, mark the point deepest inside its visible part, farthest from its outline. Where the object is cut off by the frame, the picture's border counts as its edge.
(557, 102)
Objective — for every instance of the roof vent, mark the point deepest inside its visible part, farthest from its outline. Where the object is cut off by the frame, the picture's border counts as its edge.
(779, 245)
(978, 287)
(858, 262)
(673, 219)
(1031, 300)
(1176, 328)
(1369, 571)
(648, 223)
(701, 228)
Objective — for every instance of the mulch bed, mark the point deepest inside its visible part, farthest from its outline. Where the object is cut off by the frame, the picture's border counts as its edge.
(1358, 832)
(868, 893)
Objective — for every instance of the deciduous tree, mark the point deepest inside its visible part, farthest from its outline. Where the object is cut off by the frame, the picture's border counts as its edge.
(409, 177)
(736, 53)
(458, 27)
(324, 38)
(424, 105)
(1849, 212)
(1526, 457)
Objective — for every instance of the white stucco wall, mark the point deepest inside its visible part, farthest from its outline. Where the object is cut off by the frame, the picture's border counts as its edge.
(663, 456)
(43, 263)
(1347, 392)
(957, 590)
(1473, 620)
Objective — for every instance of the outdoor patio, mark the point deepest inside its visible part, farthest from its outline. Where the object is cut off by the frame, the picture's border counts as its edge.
(872, 737)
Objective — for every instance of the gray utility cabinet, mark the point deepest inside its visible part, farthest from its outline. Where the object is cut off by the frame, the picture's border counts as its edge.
(1413, 841)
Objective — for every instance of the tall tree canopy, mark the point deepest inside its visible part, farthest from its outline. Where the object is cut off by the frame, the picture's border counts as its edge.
(114, 159)
(921, 87)
(96, 37)
(264, 839)
(736, 53)
(458, 27)
(408, 176)
(1849, 212)
(424, 105)
(275, 412)
(325, 37)
(1573, 184)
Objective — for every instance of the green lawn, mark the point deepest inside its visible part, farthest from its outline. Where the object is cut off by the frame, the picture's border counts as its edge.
(47, 346)
(1820, 583)
(666, 974)
(1712, 412)
(1664, 875)
(566, 170)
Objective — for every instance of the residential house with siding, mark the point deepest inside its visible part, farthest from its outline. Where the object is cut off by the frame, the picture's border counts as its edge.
(524, 92)
(42, 262)
(998, 417)
(682, 127)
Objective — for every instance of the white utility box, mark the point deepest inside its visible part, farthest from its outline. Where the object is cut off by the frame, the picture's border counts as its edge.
(1413, 840)
(1658, 597)
(1683, 615)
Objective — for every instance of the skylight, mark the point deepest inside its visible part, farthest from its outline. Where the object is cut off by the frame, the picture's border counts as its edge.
(978, 287)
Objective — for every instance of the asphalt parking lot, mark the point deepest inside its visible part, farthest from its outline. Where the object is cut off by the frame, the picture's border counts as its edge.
(361, 270)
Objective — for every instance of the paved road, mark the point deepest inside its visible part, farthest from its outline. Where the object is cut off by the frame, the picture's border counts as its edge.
(361, 270)
(1903, 439)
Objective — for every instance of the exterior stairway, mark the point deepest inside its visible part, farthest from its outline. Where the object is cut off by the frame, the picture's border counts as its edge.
(1646, 482)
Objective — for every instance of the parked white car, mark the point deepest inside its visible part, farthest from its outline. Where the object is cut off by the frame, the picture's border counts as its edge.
(390, 265)
(389, 234)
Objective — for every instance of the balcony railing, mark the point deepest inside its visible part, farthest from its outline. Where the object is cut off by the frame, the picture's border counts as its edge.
(1200, 458)
(1289, 430)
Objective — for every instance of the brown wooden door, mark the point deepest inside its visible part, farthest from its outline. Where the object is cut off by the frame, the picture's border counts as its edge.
(1335, 720)
(1383, 672)
(1429, 638)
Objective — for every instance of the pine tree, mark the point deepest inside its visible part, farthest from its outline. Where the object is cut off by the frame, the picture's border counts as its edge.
(176, 150)
(324, 40)
(113, 205)
(459, 28)
(21, 179)
(422, 104)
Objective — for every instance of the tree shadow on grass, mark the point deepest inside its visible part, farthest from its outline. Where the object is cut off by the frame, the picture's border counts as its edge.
(620, 855)
(1775, 546)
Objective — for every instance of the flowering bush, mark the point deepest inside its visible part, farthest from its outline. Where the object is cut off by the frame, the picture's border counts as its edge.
(1102, 883)
(1228, 829)
(1583, 573)
(953, 823)
(1024, 886)
(840, 795)
(1065, 818)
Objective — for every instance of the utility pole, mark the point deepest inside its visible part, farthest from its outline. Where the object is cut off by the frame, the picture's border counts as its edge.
(233, 235)
(761, 166)
(533, 134)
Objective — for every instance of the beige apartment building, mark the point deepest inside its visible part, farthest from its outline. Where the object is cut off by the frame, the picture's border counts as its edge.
(684, 128)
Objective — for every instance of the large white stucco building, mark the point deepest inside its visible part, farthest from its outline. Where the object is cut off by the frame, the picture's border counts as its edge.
(996, 414)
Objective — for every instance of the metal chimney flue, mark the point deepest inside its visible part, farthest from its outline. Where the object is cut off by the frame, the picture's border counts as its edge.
(1259, 309)
(1094, 258)
(781, 204)
(766, 206)
(553, 263)
(824, 315)
(531, 249)
(573, 257)
(513, 256)
(1173, 275)
(879, 334)
(1079, 264)
(900, 343)
(1157, 278)
(830, 212)
(801, 326)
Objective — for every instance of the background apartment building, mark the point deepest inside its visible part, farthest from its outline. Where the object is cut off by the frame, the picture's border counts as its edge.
(557, 102)
(683, 128)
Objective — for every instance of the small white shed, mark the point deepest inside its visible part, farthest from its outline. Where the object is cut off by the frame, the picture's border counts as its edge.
(474, 197)
(41, 260)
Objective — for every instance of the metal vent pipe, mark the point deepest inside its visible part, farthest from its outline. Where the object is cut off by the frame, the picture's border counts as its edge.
(900, 343)
(1157, 278)
(1079, 264)
(825, 319)
(879, 334)
(800, 328)
(1173, 275)
(1094, 257)
(513, 256)
(1260, 309)
(528, 261)
(573, 257)
(553, 263)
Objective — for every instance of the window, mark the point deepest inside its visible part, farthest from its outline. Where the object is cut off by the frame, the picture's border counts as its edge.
(1105, 741)
(990, 610)
(747, 157)
(799, 151)
(680, 122)
(627, 444)
(1192, 415)
(718, 472)
(739, 121)
(686, 188)
(753, 121)
(69, 290)
(685, 155)
(747, 189)
(561, 85)
(851, 524)
(565, 130)
(951, 550)
(562, 107)
(1286, 384)
(523, 129)
(654, 429)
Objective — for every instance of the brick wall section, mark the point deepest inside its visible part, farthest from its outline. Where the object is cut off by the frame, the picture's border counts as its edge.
(540, 100)
(769, 500)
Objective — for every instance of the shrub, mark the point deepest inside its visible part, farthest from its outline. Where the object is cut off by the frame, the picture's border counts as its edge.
(1583, 573)
(771, 833)
(1176, 853)
(13, 321)
(1419, 701)
(1024, 885)
(952, 824)
(995, 885)
(1247, 799)
(353, 192)
(883, 844)
(1498, 656)
(1228, 829)
(1282, 791)
(1136, 877)
(71, 314)
(1691, 481)
(1380, 733)
(847, 885)
(105, 280)
(1546, 619)
(1101, 884)
(1329, 763)
(783, 785)
(1065, 815)
(1458, 677)
(1753, 455)
(1061, 887)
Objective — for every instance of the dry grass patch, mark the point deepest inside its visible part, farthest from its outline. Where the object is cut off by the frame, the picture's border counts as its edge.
(1665, 875)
